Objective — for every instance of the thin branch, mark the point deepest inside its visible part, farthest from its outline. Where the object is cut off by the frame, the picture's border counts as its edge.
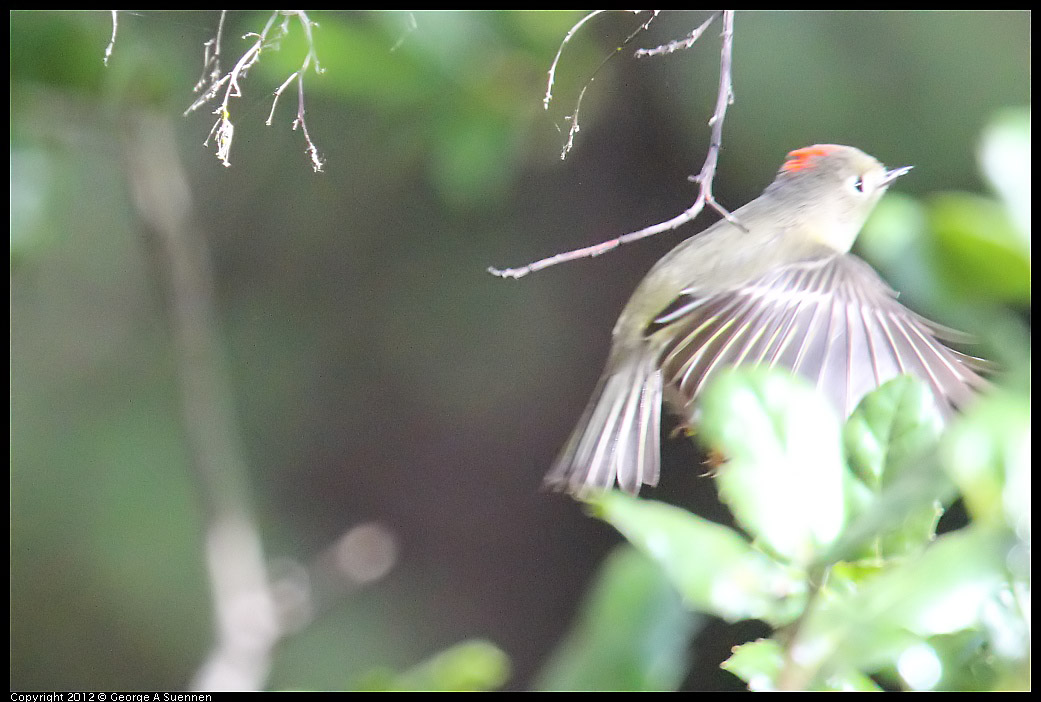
(223, 128)
(312, 150)
(231, 78)
(278, 94)
(573, 117)
(112, 41)
(560, 50)
(724, 98)
(229, 83)
(211, 57)
(680, 44)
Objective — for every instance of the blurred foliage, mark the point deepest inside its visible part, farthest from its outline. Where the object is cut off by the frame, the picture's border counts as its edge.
(632, 632)
(468, 75)
(965, 258)
(381, 374)
(885, 600)
(472, 666)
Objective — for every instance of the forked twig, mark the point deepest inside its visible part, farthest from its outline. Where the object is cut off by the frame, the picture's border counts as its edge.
(724, 98)
(298, 75)
(573, 117)
(223, 129)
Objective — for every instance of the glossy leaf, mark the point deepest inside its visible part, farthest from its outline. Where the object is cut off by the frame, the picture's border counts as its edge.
(713, 567)
(888, 440)
(761, 664)
(890, 428)
(980, 253)
(784, 476)
(944, 590)
(987, 454)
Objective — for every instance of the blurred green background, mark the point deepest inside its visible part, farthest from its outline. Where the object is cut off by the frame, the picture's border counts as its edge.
(379, 374)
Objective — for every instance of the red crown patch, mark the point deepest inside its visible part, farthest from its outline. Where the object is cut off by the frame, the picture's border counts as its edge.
(803, 158)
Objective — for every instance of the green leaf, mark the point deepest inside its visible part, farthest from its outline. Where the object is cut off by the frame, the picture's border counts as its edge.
(1004, 157)
(891, 427)
(714, 568)
(57, 50)
(987, 454)
(979, 251)
(944, 590)
(757, 663)
(895, 226)
(959, 657)
(897, 241)
(900, 519)
(632, 633)
(890, 434)
(761, 664)
(471, 666)
(784, 475)
(365, 67)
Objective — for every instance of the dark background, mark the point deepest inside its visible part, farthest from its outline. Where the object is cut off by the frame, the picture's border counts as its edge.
(379, 373)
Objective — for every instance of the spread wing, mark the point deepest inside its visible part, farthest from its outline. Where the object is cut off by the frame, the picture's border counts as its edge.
(833, 321)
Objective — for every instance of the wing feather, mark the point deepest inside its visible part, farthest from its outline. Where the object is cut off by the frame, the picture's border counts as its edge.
(833, 321)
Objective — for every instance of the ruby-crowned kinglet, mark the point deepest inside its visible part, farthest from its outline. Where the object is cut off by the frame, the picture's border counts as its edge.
(777, 288)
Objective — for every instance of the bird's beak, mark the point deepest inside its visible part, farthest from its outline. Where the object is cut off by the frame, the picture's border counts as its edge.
(894, 174)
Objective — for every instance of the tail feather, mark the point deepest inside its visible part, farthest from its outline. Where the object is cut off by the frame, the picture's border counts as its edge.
(618, 437)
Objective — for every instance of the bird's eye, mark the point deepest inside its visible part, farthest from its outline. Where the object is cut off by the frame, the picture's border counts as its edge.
(858, 184)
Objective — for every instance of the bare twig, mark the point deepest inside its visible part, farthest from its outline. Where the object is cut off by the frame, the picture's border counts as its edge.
(298, 75)
(573, 117)
(211, 57)
(724, 98)
(112, 41)
(680, 44)
(560, 50)
(223, 129)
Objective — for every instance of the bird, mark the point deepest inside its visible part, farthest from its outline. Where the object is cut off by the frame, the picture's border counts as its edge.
(772, 285)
